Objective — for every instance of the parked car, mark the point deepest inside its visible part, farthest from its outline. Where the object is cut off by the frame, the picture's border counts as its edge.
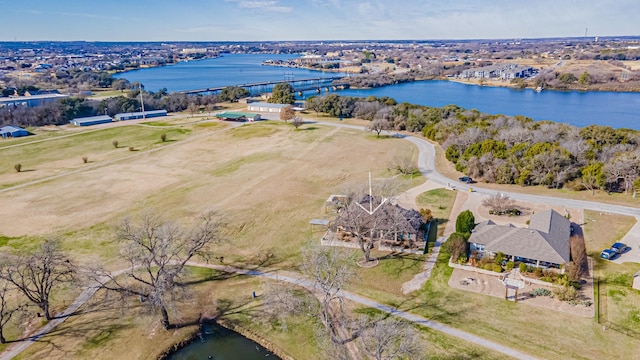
(620, 248)
(466, 179)
(608, 254)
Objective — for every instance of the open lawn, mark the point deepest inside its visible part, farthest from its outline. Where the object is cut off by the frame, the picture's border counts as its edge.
(62, 154)
(440, 202)
(603, 229)
(267, 178)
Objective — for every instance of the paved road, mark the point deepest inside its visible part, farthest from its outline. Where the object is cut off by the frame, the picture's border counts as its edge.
(426, 162)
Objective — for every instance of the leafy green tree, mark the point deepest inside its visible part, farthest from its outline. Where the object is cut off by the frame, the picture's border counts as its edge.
(233, 93)
(283, 93)
(593, 176)
(456, 245)
(74, 107)
(465, 222)
(314, 103)
(567, 78)
(497, 148)
(585, 79)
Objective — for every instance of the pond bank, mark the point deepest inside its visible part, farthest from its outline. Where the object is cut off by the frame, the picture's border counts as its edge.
(221, 329)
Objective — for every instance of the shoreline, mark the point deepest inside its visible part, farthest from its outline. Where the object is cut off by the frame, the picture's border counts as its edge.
(163, 65)
(490, 83)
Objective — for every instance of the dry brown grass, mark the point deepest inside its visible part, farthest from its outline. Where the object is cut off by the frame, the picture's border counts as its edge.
(577, 67)
(633, 65)
(267, 180)
(109, 330)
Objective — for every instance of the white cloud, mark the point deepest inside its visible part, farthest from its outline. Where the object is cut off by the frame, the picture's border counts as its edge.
(266, 5)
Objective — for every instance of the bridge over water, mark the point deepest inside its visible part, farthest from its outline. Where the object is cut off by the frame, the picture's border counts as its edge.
(318, 84)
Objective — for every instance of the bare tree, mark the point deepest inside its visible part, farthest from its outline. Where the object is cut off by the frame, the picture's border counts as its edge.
(363, 213)
(210, 107)
(287, 113)
(38, 275)
(281, 301)
(378, 125)
(499, 203)
(297, 122)
(193, 108)
(331, 269)
(579, 255)
(390, 338)
(7, 311)
(624, 168)
(156, 253)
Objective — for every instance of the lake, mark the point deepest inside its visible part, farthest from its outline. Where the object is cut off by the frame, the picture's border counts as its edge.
(220, 343)
(618, 110)
(227, 70)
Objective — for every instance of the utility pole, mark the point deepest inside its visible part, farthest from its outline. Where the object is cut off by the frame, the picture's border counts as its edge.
(141, 102)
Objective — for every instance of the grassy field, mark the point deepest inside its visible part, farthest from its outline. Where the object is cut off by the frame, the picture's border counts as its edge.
(603, 229)
(440, 201)
(268, 180)
(61, 154)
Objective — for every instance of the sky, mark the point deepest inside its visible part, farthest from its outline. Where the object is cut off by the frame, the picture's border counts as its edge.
(277, 20)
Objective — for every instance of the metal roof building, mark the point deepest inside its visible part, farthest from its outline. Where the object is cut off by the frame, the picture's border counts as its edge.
(91, 120)
(238, 116)
(139, 115)
(30, 101)
(11, 131)
(266, 107)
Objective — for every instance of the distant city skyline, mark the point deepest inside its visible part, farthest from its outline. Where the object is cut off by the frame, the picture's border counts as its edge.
(273, 20)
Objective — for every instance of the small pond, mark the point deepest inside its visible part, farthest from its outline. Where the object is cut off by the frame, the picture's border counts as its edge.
(219, 343)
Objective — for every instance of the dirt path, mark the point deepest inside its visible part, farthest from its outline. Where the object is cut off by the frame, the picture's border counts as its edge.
(292, 278)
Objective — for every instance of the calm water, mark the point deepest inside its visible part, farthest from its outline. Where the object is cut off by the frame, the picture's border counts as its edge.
(230, 69)
(577, 108)
(614, 109)
(223, 344)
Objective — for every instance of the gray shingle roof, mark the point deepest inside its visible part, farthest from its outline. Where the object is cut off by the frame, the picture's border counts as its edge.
(388, 217)
(546, 239)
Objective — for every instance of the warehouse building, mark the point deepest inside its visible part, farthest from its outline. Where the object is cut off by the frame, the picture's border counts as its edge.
(140, 115)
(266, 107)
(91, 120)
(11, 131)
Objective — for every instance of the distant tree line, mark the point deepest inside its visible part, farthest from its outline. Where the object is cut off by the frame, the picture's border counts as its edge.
(505, 149)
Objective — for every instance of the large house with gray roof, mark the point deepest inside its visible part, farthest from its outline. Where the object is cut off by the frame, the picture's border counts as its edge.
(545, 243)
(386, 223)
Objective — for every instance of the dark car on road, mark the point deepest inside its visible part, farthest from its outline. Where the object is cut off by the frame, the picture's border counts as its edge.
(620, 248)
(466, 179)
